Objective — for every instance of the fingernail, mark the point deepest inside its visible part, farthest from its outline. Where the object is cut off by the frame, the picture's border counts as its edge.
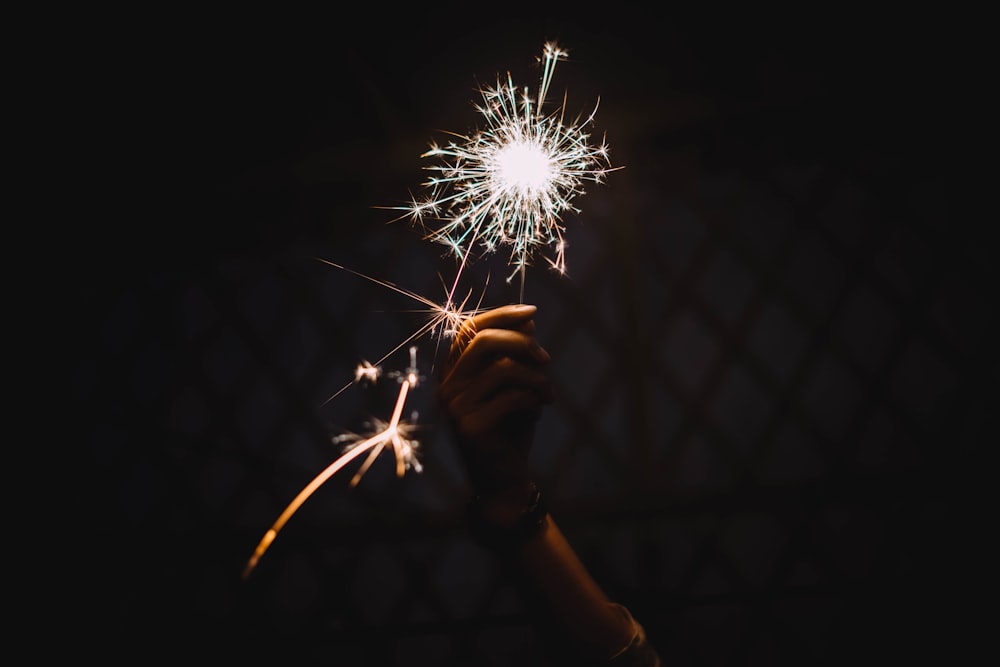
(539, 352)
(525, 308)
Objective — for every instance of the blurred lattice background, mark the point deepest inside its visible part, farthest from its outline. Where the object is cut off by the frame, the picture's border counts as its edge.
(772, 351)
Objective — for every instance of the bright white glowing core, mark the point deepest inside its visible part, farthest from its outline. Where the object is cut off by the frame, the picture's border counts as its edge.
(510, 183)
(523, 167)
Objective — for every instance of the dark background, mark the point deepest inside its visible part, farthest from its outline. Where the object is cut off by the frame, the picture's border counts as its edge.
(772, 350)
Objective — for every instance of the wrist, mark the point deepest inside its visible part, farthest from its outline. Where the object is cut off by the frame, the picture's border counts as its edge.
(499, 479)
(507, 519)
(504, 507)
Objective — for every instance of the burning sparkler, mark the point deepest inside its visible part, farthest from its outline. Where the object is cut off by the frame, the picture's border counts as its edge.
(506, 185)
(510, 183)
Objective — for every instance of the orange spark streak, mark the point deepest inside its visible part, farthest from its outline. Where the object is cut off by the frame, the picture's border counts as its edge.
(389, 434)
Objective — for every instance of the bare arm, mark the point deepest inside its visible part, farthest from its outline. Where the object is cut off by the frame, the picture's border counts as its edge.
(493, 389)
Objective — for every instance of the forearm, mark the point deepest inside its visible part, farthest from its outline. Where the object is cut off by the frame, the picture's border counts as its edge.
(554, 569)
(493, 388)
(583, 606)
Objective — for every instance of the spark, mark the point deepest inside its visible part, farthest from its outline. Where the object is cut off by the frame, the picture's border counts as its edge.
(395, 433)
(367, 373)
(444, 321)
(510, 183)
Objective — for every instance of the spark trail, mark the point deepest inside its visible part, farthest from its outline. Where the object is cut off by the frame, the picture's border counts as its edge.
(444, 320)
(395, 433)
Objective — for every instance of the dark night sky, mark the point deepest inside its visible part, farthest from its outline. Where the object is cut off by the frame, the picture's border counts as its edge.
(217, 119)
(221, 139)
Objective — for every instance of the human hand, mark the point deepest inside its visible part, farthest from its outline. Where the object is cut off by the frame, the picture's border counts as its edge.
(492, 389)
